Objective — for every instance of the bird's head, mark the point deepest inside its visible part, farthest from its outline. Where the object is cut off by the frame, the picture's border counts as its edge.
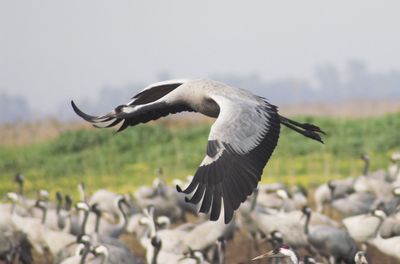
(395, 157)
(59, 197)
(379, 213)
(121, 200)
(41, 204)
(396, 191)
(364, 157)
(82, 206)
(12, 196)
(95, 209)
(306, 210)
(276, 236)
(156, 242)
(100, 250)
(19, 178)
(282, 194)
(282, 251)
(43, 194)
(84, 239)
(309, 260)
(360, 258)
(163, 221)
(331, 185)
(68, 202)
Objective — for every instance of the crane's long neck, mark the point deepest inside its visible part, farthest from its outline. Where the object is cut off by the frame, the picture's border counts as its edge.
(85, 253)
(155, 255)
(254, 201)
(82, 194)
(58, 208)
(221, 252)
(123, 220)
(97, 224)
(377, 233)
(85, 218)
(67, 220)
(21, 188)
(44, 214)
(307, 223)
(366, 167)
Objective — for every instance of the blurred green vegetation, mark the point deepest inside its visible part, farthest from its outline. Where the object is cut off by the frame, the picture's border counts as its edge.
(124, 161)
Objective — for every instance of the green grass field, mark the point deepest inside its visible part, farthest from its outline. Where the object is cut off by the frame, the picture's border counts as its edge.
(124, 161)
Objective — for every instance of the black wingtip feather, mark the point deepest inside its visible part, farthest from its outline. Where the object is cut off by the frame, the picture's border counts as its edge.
(192, 186)
(308, 126)
(196, 198)
(207, 200)
(306, 129)
(178, 188)
(83, 115)
(216, 204)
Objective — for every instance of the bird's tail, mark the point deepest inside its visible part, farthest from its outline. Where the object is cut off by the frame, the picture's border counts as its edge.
(306, 129)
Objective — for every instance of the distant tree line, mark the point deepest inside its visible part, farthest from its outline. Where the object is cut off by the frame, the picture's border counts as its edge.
(329, 85)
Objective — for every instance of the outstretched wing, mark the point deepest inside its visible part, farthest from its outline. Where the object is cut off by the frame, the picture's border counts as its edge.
(145, 106)
(239, 145)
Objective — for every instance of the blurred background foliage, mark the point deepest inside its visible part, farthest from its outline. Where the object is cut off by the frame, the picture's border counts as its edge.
(132, 156)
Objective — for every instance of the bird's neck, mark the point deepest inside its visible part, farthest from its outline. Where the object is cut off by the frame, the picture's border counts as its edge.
(21, 188)
(123, 221)
(44, 214)
(85, 218)
(97, 224)
(58, 208)
(221, 253)
(254, 201)
(155, 255)
(306, 224)
(366, 167)
(86, 251)
(82, 194)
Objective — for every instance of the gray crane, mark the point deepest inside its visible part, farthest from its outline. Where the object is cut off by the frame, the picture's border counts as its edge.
(331, 242)
(391, 226)
(105, 228)
(364, 227)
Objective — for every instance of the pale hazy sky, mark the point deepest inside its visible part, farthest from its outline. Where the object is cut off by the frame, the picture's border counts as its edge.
(53, 51)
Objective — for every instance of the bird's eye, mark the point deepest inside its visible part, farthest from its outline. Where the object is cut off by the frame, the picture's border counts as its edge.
(119, 109)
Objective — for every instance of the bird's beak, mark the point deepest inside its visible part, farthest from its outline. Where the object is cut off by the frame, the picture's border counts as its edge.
(270, 254)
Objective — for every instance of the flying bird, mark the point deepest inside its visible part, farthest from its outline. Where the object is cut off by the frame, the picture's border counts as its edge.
(240, 142)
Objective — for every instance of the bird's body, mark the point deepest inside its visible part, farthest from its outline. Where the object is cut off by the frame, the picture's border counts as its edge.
(239, 144)
(362, 227)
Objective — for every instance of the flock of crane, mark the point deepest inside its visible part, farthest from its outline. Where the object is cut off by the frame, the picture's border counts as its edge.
(89, 230)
